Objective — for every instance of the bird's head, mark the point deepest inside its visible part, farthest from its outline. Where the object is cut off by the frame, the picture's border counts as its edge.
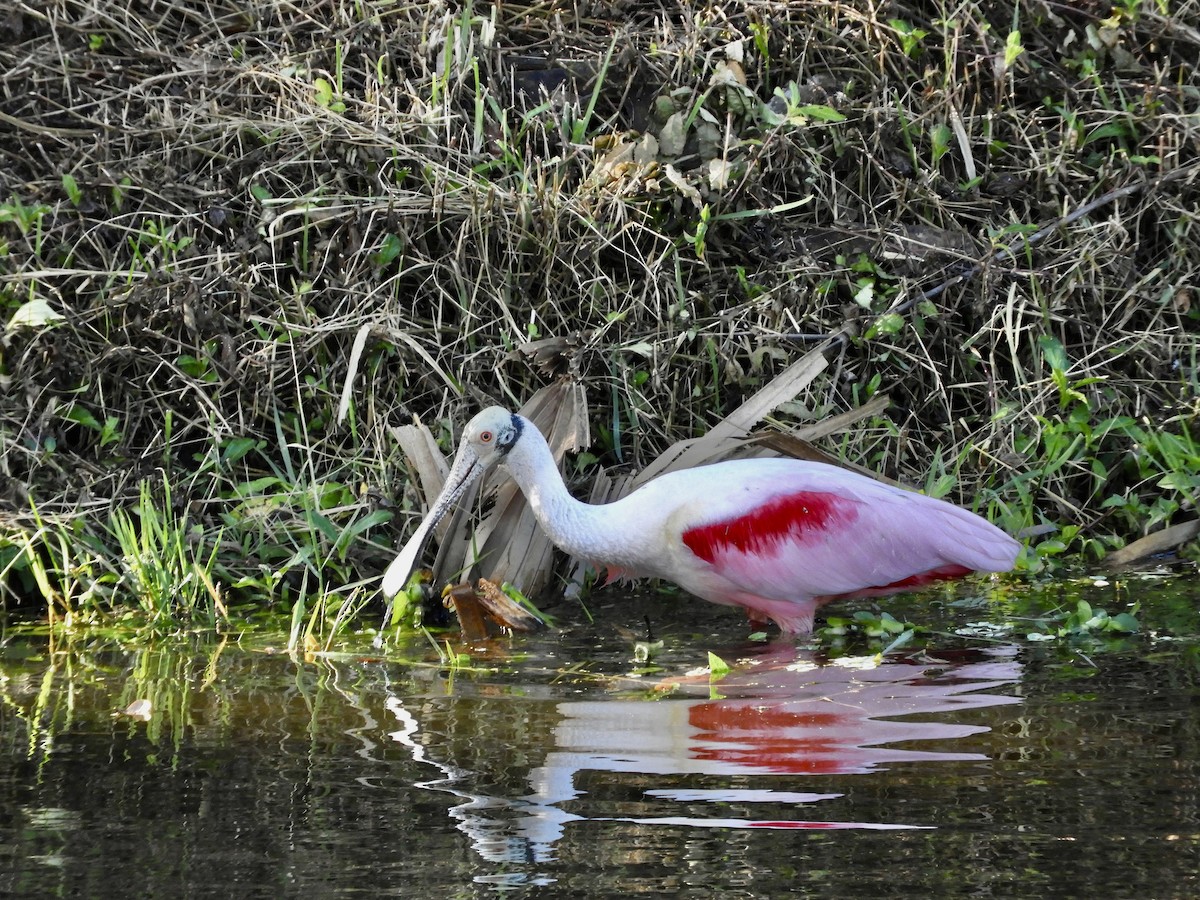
(489, 437)
(486, 442)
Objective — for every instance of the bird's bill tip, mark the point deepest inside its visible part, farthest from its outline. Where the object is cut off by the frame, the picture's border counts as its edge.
(396, 576)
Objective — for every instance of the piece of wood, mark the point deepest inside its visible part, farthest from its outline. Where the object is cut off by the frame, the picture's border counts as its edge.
(477, 605)
(465, 603)
(1152, 544)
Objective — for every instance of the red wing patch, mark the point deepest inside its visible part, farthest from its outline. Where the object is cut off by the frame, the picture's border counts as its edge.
(948, 572)
(804, 516)
(942, 573)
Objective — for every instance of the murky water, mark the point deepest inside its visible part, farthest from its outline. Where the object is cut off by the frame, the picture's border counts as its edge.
(555, 767)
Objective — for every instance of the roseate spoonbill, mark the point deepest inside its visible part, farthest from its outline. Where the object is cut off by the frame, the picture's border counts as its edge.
(779, 537)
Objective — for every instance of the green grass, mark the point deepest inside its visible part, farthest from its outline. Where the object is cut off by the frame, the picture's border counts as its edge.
(230, 280)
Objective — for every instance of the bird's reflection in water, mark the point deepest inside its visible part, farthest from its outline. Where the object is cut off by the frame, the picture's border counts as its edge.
(778, 715)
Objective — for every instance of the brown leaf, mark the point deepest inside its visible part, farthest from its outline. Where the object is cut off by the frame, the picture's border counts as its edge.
(730, 432)
(423, 454)
(797, 444)
(138, 709)
(503, 610)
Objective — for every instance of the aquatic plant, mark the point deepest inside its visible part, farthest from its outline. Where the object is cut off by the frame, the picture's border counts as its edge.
(166, 565)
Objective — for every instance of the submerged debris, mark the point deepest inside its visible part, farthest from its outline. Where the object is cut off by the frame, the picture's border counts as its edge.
(488, 602)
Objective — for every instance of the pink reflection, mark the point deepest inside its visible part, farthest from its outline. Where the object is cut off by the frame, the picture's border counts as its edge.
(781, 714)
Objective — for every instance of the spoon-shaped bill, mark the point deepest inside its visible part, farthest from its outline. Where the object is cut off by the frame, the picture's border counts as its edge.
(467, 467)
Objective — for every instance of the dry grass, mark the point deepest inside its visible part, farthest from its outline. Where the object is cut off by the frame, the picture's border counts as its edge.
(220, 198)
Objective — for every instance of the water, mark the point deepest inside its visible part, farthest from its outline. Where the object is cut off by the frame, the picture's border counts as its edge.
(556, 768)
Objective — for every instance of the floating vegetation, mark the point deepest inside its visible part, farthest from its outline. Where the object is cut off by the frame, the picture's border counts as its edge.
(1084, 621)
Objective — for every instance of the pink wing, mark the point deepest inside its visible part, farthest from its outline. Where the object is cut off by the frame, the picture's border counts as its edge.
(796, 531)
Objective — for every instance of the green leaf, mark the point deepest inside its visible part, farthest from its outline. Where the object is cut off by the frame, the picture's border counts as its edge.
(820, 113)
(391, 248)
(761, 33)
(888, 323)
(1124, 622)
(1119, 130)
(1053, 353)
(256, 487)
(71, 186)
(940, 136)
(322, 524)
(904, 637)
(235, 448)
(717, 667)
(36, 313)
(81, 416)
(323, 91)
(1183, 482)
(119, 190)
(377, 517)
(644, 651)
(193, 367)
(111, 432)
(1012, 48)
(941, 486)
(865, 295)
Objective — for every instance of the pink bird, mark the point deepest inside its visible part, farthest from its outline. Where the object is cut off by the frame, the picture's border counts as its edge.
(779, 537)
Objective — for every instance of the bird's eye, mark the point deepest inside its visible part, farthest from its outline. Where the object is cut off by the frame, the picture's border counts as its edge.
(485, 437)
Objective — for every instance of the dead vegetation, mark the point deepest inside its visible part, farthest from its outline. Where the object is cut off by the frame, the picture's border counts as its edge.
(239, 242)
